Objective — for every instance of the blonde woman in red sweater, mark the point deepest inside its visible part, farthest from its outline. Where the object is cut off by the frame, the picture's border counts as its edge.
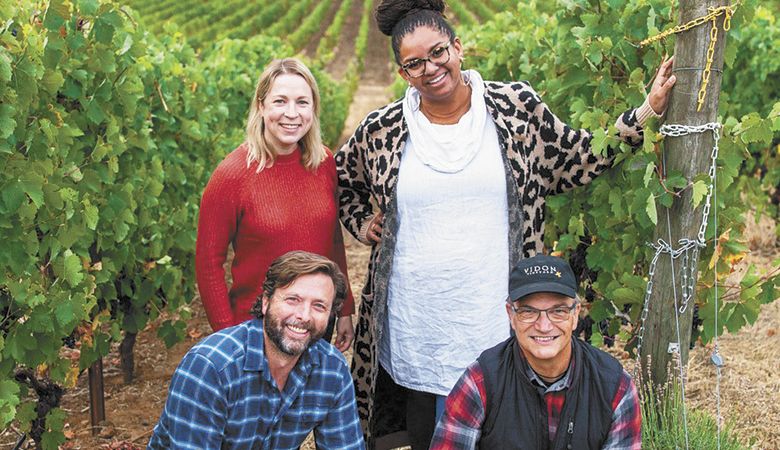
(275, 193)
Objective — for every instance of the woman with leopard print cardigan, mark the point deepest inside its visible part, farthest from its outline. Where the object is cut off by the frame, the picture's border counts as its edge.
(446, 232)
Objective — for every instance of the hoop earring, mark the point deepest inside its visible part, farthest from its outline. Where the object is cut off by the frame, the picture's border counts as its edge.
(466, 81)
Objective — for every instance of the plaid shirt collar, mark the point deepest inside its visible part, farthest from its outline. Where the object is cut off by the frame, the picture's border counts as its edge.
(256, 361)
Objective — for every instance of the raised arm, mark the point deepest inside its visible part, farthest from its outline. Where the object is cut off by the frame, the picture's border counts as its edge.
(564, 156)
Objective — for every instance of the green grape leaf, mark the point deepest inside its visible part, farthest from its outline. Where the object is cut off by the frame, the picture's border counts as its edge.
(649, 171)
(775, 114)
(88, 7)
(53, 437)
(25, 415)
(622, 296)
(599, 141)
(756, 129)
(52, 81)
(126, 45)
(90, 215)
(104, 28)
(171, 332)
(5, 67)
(700, 189)
(650, 209)
(556, 202)
(600, 310)
(597, 339)
(13, 196)
(71, 269)
(33, 186)
(56, 12)
(95, 113)
(55, 419)
(7, 122)
(65, 313)
(9, 398)
(769, 292)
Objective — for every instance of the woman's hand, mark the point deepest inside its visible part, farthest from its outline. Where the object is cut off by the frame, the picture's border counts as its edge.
(662, 86)
(345, 332)
(374, 233)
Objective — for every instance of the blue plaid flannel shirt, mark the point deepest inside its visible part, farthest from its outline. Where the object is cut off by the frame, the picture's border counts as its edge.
(222, 396)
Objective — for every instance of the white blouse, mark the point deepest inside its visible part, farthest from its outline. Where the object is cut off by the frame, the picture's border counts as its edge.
(449, 278)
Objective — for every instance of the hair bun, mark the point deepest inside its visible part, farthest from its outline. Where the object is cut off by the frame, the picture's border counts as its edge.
(390, 12)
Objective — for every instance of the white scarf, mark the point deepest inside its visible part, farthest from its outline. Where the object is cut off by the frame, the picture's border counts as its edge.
(453, 150)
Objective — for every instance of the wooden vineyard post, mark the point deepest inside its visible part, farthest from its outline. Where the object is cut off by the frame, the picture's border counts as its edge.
(97, 407)
(691, 155)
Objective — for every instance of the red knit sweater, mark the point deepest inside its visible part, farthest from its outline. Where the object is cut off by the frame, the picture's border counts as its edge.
(264, 215)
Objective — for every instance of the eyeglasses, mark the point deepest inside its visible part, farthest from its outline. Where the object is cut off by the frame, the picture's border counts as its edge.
(527, 314)
(439, 56)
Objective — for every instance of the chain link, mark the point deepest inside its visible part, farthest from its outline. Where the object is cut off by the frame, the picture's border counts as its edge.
(641, 333)
(711, 16)
(688, 248)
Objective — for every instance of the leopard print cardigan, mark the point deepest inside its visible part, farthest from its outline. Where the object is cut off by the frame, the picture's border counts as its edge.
(542, 156)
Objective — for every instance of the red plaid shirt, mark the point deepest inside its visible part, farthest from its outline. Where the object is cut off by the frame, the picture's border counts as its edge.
(464, 412)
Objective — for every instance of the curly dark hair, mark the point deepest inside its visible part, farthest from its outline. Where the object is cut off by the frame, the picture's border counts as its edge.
(285, 269)
(397, 18)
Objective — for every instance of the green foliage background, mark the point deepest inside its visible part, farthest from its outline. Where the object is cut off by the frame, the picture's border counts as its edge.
(108, 135)
(583, 59)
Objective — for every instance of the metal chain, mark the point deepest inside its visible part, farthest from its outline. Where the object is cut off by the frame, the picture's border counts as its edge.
(643, 318)
(711, 16)
(675, 130)
(688, 248)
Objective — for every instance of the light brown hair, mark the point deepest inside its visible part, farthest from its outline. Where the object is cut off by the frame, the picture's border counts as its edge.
(312, 151)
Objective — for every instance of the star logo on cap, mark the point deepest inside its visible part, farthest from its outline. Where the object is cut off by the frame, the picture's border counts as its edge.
(558, 273)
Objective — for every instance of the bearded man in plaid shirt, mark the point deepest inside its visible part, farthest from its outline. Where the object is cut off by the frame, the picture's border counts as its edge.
(268, 382)
(542, 388)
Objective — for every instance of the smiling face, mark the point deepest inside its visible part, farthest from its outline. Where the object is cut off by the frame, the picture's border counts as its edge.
(297, 315)
(287, 111)
(545, 344)
(438, 82)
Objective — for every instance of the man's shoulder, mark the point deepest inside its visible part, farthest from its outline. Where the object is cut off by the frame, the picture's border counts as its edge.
(227, 346)
(607, 366)
(492, 354)
(328, 357)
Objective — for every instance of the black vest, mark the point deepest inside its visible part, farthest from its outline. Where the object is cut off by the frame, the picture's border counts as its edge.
(516, 414)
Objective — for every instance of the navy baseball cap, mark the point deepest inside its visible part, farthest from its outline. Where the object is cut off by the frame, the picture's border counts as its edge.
(542, 273)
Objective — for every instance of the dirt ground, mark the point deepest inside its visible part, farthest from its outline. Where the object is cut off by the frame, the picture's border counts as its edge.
(750, 379)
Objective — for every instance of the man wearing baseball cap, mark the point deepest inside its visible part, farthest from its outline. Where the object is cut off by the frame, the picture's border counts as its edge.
(542, 388)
